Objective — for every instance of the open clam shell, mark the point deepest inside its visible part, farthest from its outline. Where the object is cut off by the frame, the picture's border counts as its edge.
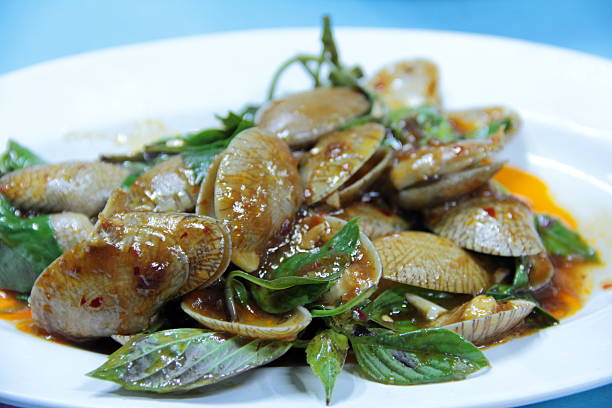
(300, 119)
(371, 171)
(485, 329)
(313, 231)
(447, 188)
(490, 225)
(425, 163)
(470, 120)
(429, 261)
(337, 157)
(205, 241)
(257, 192)
(374, 221)
(206, 307)
(408, 83)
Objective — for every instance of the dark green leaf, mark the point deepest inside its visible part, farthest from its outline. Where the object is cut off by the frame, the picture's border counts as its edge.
(418, 357)
(539, 318)
(17, 157)
(560, 240)
(183, 359)
(325, 355)
(27, 247)
(345, 307)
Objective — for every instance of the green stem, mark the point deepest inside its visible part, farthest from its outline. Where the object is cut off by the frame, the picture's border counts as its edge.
(303, 59)
(345, 307)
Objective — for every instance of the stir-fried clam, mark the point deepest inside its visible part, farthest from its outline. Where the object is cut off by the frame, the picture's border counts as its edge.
(115, 282)
(408, 83)
(257, 192)
(488, 224)
(374, 221)
(167, 186)
(483, 319)
(206, 307)
(81, 187)
(300, 119)
(336, 158)
(429, 261)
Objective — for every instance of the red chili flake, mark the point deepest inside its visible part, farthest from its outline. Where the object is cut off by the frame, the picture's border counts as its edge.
(184, 235)
(490, 211)
(97, 302)
(83, 300)
(607, 286)
(134, 251)
(379, 85)
(361, 315)
(136, 271)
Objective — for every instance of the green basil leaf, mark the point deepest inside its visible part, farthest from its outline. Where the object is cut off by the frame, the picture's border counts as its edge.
(560, 240)
(27, 247)
(345, 307)
(183, 359)
(539, 318)
(325, 354)
(418, 357)
(199, 161)
(17, 157)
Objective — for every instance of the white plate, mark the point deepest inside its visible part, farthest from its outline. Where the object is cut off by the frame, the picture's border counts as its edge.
(563, 96)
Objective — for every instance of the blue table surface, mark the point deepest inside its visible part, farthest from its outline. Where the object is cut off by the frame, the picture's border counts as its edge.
(36, 31)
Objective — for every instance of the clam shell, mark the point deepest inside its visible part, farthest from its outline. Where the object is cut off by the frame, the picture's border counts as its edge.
(448, 187)
(408, 83)
(337, 157)
(541, 271)
(374, 221)
(258, 325)
(104, 286)
(205, 241)
(429, 261)
(300, 119)
(490, 225)
(70, 229)
(81, 187)
(257, 192)
(469, 120)
(371, 171)
(422, 164)
(483, 330)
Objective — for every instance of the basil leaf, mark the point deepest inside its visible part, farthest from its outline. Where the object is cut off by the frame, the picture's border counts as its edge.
(418, 357)
(559, 240)
(345, 307)
(17, 157)
(199, 161)
(431, 124)
(27, 247)
(325, 354)
(183, 359)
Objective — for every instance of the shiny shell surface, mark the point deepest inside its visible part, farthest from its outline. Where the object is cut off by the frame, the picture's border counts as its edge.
(300, 119)
(374, 221)
(81, 187)
(336, 157)
(490, 225)
(429, 261)
(447, 188)
(257, 192)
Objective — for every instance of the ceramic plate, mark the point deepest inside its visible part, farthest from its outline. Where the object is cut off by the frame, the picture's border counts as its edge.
(80, 106)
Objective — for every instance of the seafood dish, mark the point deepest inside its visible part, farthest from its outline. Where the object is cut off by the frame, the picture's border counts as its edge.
(358, 222)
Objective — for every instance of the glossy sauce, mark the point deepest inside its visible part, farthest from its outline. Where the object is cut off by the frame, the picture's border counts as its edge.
(562, 297)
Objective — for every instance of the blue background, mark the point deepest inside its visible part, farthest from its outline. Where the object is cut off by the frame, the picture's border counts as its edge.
(35, 31)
